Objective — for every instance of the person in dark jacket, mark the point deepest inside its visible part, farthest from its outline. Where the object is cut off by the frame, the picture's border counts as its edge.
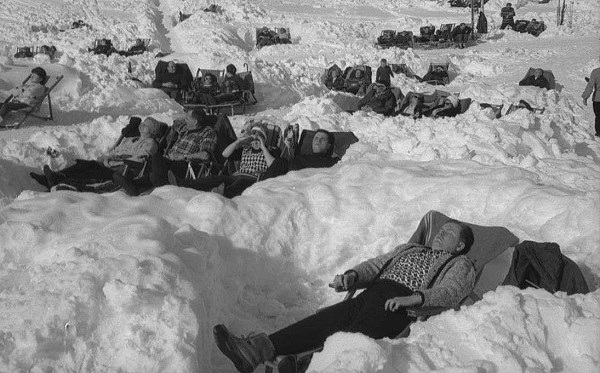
(508, 17)
(171, 81)
(460, 34)
(321, 157)
(379, 99)
(449, 108)
(104, 47)
(334, 81)
(384, 73)
(138, 48)
(536, 80)
(357, 84)
(411, 275)
(232, 86)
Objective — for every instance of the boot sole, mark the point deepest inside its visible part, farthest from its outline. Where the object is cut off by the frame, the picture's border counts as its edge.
(221, 335)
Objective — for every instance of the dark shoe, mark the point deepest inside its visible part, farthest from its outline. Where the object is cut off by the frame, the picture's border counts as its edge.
(245, 353)
(40, 179)
(126, 184)
(53, 178)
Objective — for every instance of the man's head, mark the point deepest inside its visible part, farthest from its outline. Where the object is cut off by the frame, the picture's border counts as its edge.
(454, 237)
(383, 62)
(335, 73)
(195, 118)
(439, 69)
(323, 142)
(537, 73)
(258, 133)
(230, 69)
(171, 67)
(209, 79)
(359, 74)
(451, 101)
(508, 4)
(150, 128)
(462, 25)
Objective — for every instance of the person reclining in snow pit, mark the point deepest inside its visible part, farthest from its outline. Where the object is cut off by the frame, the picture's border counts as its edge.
(131, 148)
(448, 108)
(321, 157)
(254, 159)
(231, 87)
(379, 99)
(411, 275)
(536, 80)
(26, 95)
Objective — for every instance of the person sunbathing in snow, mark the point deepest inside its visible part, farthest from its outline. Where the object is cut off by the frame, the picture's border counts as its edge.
(321, 157)
(449, 108)
(379, 99)
(536, 80)
(131, 148)
(26, 95)
(411, 275)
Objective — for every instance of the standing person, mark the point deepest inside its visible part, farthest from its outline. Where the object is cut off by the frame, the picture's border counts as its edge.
(594, 85)
(384, 73)
(411, 275)
(460, 34)
(26, 95)
(508, 17)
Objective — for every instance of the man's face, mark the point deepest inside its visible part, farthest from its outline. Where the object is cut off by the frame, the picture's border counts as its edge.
(191, 122)
(448, 239)
(537, 73)
(171, 67)
(359, 74)
(335, 74)
(35, 78)
(320, 143)
(439, 70)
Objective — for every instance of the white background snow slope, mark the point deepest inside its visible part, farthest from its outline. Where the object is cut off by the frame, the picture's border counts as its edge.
(107, 283)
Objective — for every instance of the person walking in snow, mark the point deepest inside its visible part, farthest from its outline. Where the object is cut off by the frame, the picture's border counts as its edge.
(594, 86)
(411, 275)
(508, 17)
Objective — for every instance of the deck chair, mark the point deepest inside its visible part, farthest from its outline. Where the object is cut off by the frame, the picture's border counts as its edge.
(404, 39)
(24, 52)
(464, 104)
(350, 76)
(521, 25)
(443, 65)
(535, 28)
(402, 68)
(489, 243)
(33, 111)
(446, 31)
(284, 36)
(343, 140)
(183, 68)
(249, 90)
(328, 71)
(386, 39)
(546, 73)
(49, 50)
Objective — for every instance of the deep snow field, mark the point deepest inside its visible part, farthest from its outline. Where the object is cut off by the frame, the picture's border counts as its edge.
(110, 283)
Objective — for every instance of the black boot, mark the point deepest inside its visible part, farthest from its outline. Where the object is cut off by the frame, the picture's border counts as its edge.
(40, 179)
(245, 353)
(53, 178)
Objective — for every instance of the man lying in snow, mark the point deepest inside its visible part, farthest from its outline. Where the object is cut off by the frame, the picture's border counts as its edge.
(409, 276)
(536, 80)
(379, 99)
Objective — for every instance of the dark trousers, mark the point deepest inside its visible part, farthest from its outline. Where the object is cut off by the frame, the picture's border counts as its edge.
(507, 22)
(461, 38)
(160, 167)
(364, 314)
(597, 112)
(84, 170)
(10, 106)
(277, 168)
(234, 185)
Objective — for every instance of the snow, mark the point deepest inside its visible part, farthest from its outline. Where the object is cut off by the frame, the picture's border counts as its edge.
(104, 283)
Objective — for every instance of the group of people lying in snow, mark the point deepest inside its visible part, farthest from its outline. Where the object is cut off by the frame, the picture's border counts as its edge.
(105, 47)
(191, 138)
(27, 52)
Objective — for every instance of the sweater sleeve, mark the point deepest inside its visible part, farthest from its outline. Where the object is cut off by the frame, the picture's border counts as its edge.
(454, 283)
(368, 270)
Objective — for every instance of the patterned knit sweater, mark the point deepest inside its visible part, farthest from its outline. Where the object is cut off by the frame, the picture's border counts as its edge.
(455, 281)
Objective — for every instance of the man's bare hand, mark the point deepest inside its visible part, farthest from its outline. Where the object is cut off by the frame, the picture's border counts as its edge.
(394, 304)
(343, 282)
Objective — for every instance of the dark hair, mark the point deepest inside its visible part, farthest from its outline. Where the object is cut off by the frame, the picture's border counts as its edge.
(231, 69)
(40, 72)
(466, 235)
(199, 114)
(383, 60)
(331, 140)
